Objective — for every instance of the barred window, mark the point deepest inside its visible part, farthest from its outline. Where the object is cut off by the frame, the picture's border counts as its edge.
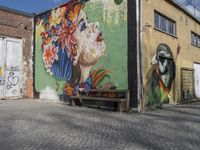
(164, 24)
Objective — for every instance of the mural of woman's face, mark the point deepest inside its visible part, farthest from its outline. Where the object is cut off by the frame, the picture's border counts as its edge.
(90, 42)
(69, 38)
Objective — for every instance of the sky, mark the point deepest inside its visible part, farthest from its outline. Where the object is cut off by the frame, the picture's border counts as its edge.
(38, 6)
(32, 6)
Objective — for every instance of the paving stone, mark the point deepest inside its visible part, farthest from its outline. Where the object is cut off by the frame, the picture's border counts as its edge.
(32, 124)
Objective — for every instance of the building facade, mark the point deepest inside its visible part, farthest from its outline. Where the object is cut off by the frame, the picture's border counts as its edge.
(84, 45)
(152, 51)
(16, 78)
(149, 47)
(170, 53)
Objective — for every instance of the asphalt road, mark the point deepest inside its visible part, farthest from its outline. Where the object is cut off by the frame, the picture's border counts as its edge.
(33, 124)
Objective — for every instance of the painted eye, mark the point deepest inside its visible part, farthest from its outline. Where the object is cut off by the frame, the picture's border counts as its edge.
(83, 26)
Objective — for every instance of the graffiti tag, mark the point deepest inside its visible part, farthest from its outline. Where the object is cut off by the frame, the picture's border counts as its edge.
(13, 80)
(14, 92)
(2, 81)
(14, 68)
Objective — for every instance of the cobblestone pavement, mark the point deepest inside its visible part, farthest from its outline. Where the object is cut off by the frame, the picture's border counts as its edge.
(29, 125)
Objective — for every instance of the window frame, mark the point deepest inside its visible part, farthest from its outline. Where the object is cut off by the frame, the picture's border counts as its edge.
(168, 22)
(195, 39)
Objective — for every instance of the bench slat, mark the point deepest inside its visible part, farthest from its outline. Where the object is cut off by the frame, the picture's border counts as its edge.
(107, 91)
(98, 98)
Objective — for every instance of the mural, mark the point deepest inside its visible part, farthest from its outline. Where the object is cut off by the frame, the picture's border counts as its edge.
(72, 47)
(160, 77)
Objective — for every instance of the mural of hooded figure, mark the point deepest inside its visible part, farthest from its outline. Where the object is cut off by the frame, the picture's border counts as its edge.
(162, 75)
(71, 46)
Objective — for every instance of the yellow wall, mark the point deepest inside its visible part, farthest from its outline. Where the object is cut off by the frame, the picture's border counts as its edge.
(152, 38)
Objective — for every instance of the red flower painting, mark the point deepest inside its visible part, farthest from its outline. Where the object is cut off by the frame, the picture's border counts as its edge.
(49, 55)
(66, 37)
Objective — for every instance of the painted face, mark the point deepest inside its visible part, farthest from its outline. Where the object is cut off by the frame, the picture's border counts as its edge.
(90, 42)
(162, 58)
(163, 62)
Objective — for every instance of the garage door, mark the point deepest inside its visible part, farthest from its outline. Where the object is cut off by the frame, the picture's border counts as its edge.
(187, 82)
(197, 79)
(10, 68)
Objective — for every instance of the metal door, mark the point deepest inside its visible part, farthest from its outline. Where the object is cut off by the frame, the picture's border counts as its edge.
(2, 75)
(187, 83)
(10, 68)
(197, 80)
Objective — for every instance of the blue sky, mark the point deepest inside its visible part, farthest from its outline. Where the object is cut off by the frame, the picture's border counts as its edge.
(31, 6)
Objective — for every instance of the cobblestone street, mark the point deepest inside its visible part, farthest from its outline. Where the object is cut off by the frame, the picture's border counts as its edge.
(28, 124)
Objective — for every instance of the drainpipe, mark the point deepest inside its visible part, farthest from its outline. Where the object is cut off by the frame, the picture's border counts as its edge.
(141, 65)
(35, 94)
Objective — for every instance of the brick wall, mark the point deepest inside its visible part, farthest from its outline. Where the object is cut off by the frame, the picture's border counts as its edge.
(17, 25)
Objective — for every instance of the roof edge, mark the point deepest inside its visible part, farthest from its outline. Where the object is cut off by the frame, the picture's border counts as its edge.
(16, 11)
(53, 8)
(183, 10)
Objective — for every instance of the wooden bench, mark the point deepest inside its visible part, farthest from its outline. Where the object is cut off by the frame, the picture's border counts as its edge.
(120, 97)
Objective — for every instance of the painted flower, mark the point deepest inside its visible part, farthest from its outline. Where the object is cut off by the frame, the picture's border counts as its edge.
(66, 37)
(72, 15)
(57, 16)
(49, 56)
(46, 39)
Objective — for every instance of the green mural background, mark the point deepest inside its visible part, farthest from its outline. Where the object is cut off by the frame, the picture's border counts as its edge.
(112, 19)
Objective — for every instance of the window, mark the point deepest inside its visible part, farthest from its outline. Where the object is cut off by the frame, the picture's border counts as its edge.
(164, 24)
(195, 39)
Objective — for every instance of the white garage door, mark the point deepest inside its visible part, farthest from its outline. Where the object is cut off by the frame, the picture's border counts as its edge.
(2, 78)
(10, 68)
(197, 79)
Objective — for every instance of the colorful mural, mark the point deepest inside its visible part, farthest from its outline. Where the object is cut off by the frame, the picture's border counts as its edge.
(160, 77)
(71, 48)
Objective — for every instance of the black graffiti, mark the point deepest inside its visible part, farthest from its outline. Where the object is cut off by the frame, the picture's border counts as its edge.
(14, 68)
(14, 92)
(2, 81)
(13, 80)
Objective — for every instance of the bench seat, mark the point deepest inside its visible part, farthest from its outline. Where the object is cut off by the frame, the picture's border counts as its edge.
(122, 103)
